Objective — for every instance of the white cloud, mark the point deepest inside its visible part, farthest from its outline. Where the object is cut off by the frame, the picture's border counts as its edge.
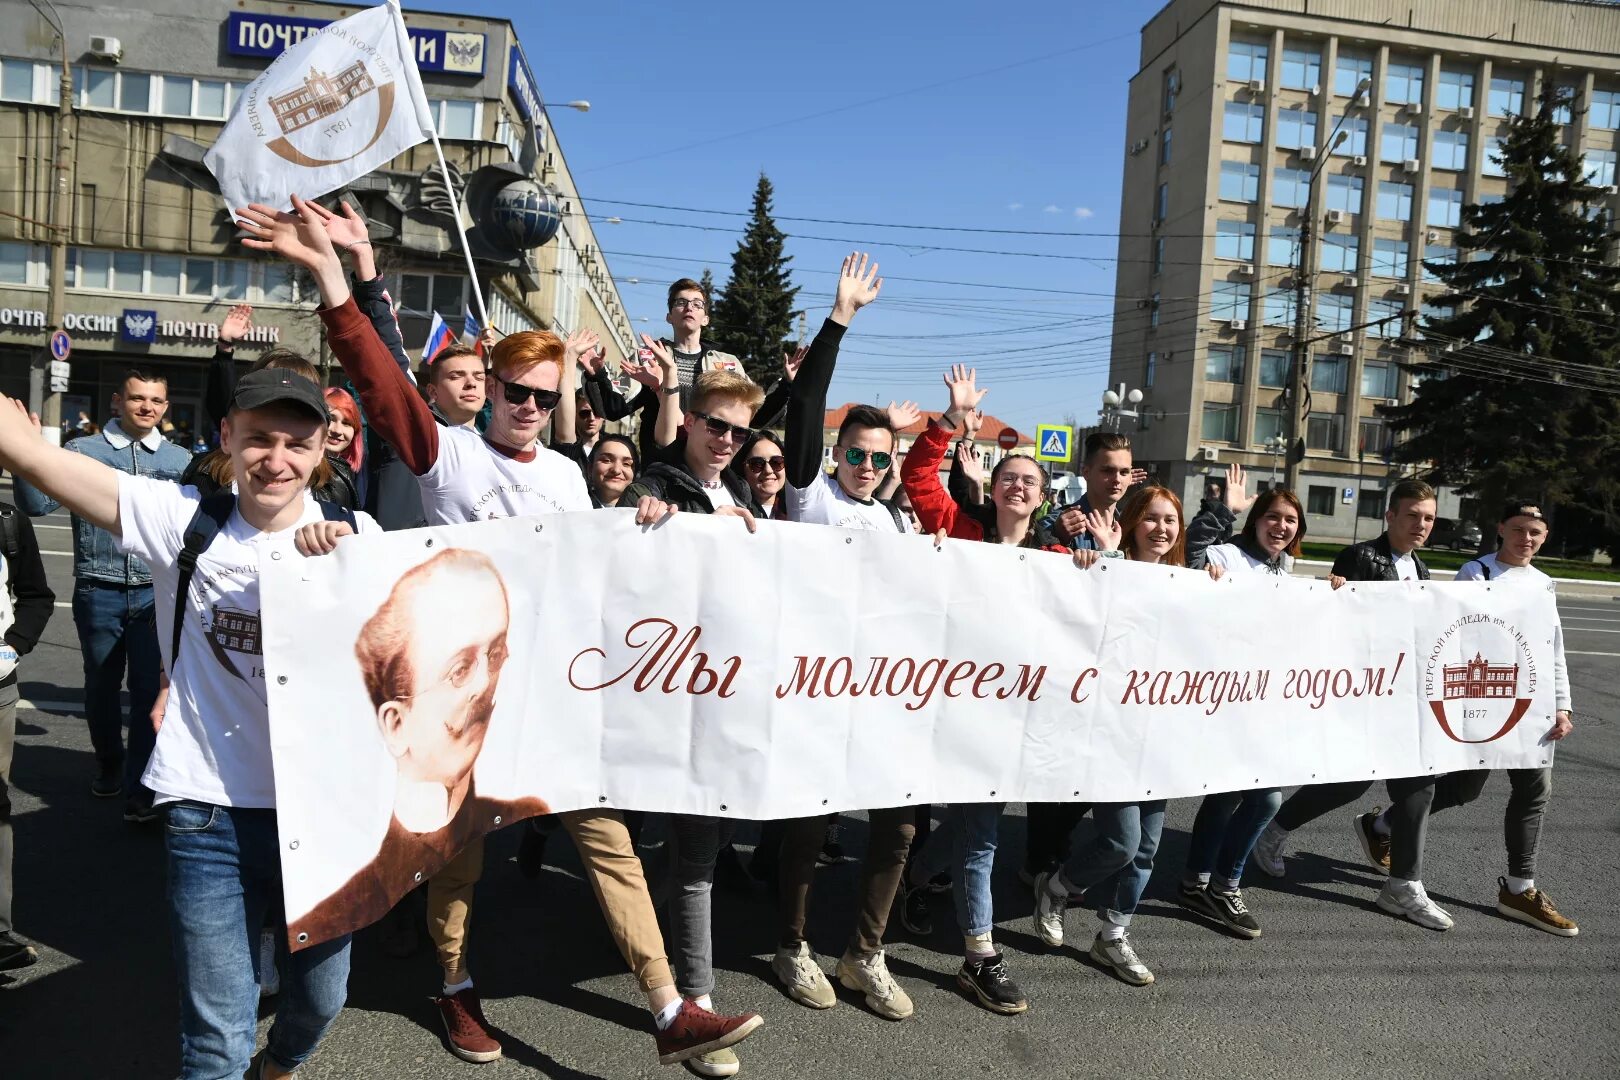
(1082, 212)
(1051, 208)
(1015, 206)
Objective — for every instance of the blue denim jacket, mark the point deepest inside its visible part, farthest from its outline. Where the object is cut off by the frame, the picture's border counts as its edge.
(95, 551)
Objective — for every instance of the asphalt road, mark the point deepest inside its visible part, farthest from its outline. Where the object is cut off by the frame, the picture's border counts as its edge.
(1333, 988)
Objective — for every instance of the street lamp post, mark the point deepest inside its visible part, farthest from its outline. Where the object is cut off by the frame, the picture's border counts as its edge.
(1112, 411)
(1275, 446)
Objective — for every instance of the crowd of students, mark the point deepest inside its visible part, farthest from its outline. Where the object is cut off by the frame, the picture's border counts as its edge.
(503, 430)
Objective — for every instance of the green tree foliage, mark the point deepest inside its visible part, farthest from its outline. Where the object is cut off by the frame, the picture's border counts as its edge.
(753, 317)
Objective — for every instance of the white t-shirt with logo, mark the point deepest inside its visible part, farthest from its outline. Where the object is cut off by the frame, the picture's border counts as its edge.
(824, 502)
(719, 495)
(214, 746)
(1406, 567)
(472, 481)
(1487, 568)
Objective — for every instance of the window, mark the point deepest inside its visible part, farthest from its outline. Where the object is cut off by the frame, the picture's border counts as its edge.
(165, 275)
(1296, 128)
(1492, 165)
(1563, 103)
(99, 89)
(1229, 300)
(1234, 240)
(1240, 182)
(1605, 110)
(1355, 127)
(1403, 84)
(1301, 68)
(1279, 307)
(1437, 253)
(1274, 367)
(1268, 426)
(1344, 193)
(456, 119)
(1281, 246)
(1370, 501)
(1507, 96)
(1390, 257)
(1400, 142)
(1374, 438)
(17, 80)
(1378, 380)
(1158, 254)
(1290, 187)
(1246, 60)
(1349, 72)
(510, 133)
(1172, 87)
(1394, 201)
(199, 277)
(1324, 431)
(1152, 370)
(1220, 422)
(176, 96)
(89, 269)
(1600, 167)
(129, 271)
(1319, 498)
(1456, 89)
(1224, 364)
(1153, 311)
(211, 99)
(134, 92)
(1333, 312)
(1244, 123)
(1450, 150)
(1161, 204)
(1328, 374)
(1445, 207)
(15, 258)
(1340, 252)
(233, 279)
(1383, 317)
(279, 287)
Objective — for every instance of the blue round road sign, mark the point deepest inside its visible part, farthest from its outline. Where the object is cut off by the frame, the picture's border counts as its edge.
(61, 345)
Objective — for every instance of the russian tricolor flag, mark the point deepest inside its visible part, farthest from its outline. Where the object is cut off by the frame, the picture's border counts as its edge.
(438, 337)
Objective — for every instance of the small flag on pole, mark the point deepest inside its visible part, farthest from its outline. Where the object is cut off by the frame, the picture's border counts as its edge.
(343, 101)
(469, 326)
(438, 338)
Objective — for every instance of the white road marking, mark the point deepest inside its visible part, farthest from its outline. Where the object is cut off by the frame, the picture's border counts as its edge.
(51, 706)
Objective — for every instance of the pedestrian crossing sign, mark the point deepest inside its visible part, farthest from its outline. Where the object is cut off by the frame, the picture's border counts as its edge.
(1053, 442)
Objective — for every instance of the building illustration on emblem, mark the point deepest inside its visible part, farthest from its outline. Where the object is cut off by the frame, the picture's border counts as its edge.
(1480, 679)
(320, 96)
(236, 630)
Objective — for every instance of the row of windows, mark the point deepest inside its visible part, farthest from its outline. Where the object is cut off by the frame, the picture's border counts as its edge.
(180, 95)
(1334, 312)
(1301, 69)
(1290, 189)
(1323, 431)
(1244, 122)
(1328, 374)
(1340, 252)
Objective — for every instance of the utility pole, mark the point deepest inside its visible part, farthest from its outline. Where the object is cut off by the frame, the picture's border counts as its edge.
(49, 402)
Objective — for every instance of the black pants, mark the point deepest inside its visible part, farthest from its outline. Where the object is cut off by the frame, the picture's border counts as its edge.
(1521, 822)
(1051, 826)
(1410, 798)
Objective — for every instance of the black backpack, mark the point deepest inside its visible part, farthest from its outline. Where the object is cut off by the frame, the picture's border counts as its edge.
(212, 514)
(10, 532)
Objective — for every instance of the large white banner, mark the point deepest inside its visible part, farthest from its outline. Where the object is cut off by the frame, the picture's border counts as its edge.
(343, 101)
(427, 686)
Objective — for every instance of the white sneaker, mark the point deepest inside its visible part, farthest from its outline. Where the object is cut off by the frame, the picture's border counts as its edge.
(1409, 900)
(1119, 955)
(1268, 850)
(798, 972)
(1049, 909)
(269, 977)
(714, 1063)
(870, 975)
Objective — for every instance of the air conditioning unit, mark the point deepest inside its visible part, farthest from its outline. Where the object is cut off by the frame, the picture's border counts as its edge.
(1208, 453)
(1344, 348)
(1238, 324)
(106, 48)
(1612, 189)
(1316, 91)
(1246, 270)
(1410, 164)
(1257, 86)
(1360, 161)
(1466, 112)
(1415, 108)
(1392, 402)
(1432, 235)
(1335, 217)
(1403, 289)
(1307, 153)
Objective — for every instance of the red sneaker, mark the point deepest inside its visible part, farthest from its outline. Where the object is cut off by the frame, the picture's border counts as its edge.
(696, 1031)
(466, 1028)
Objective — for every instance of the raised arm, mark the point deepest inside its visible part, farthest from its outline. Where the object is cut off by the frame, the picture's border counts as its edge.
(858, 285)
(83, 485)
(220, 382)
(920, 472)
(1215, 521)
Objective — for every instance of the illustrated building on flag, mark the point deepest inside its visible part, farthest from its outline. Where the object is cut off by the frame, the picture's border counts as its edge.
(1479, 678)
(320, 96)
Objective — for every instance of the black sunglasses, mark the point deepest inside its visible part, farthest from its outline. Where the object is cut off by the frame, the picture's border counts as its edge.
(856, 456)
(718, 427)
(517, 394)
(757, 464)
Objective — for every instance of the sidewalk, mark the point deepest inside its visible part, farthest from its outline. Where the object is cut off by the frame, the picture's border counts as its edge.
(1569, 588)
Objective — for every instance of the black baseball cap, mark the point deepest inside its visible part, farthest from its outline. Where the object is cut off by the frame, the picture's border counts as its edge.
(268, 386)
(1522, 508)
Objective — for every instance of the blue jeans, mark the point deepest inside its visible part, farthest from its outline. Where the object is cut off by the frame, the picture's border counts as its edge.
(118, 630)
(1114, 867)
(973, 829)
(224, 873)
(694, 843)
(1225, 831)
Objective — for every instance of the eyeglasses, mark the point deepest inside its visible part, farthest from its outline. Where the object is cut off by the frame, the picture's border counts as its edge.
(757, 464)
(1032, 483)
(683, 303)
(516, 395)
(720, 428)
(857, 457)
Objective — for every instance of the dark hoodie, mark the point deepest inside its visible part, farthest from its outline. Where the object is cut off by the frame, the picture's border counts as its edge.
(670, 479)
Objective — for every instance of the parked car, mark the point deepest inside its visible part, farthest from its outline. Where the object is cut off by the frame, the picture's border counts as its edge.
(1458, 536)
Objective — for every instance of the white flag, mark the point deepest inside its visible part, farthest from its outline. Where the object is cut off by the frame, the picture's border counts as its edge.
(338, 104)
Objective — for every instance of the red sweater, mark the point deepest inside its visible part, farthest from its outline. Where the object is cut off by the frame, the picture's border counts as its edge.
(934, 505)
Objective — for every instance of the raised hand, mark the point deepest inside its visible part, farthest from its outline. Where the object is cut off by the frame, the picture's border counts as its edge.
(1238, 500)
(972, 422)
(661, 354)
(962, 382)
(580, 344)
(1071, 523)
(1104, 529)
(346, 227)
(791, 362)
(858, 285)
(904, 414)
(968, 458)
(299, 237)
(238, 322)
(1138, 476)
(647, 375)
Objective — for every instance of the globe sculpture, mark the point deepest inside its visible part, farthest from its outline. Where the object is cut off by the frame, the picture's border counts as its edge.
(526, 213)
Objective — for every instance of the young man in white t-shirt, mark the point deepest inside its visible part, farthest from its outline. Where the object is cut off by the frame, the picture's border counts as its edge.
(467, 476)
(211, 767)
(1521, 531)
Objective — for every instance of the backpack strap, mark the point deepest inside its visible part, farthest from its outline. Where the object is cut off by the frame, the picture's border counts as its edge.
(10, 532)
(211, 515)
(334, 512)
(1483, 569)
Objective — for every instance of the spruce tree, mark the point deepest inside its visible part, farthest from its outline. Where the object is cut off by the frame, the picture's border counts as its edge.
(754, 316)
(1523, 341)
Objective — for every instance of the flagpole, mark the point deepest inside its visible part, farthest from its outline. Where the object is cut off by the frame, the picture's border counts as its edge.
(461, 230)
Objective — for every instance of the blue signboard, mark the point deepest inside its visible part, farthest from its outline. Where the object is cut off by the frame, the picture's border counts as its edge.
(452, 52)
(520, 80)
(138, 326)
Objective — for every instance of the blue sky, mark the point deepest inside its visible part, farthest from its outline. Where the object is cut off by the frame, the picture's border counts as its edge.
(948, 114)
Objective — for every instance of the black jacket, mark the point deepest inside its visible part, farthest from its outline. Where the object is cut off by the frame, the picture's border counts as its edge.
(669, 479)
(1212, 525)
(340, 490)
(1373, 560)
(31, 591)
(607, 403)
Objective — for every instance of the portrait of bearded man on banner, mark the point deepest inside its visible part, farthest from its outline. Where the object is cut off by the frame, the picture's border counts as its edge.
(431, 659)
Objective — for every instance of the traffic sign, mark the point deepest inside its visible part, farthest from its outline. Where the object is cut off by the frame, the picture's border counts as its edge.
(1007, 439)
(61, 345)
(1053, 442)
